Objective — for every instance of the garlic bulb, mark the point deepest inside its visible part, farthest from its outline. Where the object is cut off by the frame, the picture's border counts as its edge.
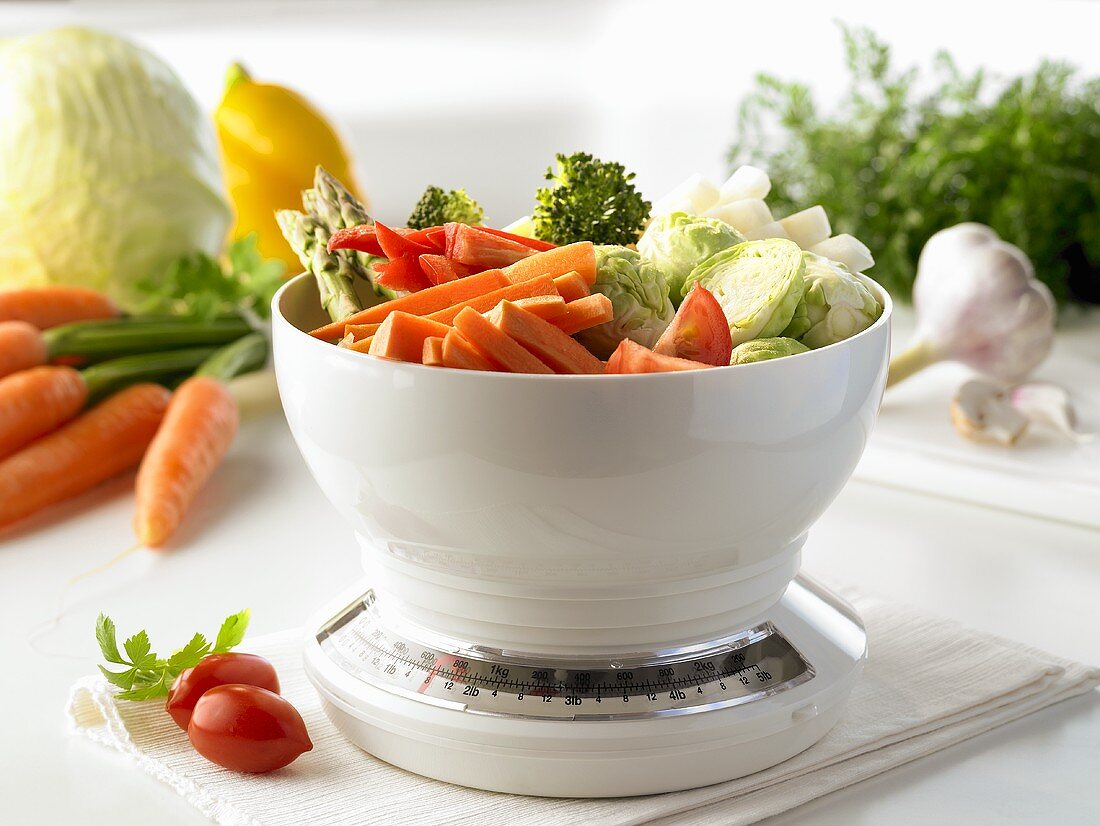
(977, 302)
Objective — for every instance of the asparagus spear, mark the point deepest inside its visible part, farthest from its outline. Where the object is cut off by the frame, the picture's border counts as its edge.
(329, 206)
(331, 203)
(334, 271)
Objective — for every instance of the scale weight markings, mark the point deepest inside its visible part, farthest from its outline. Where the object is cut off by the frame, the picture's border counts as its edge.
(758, 662)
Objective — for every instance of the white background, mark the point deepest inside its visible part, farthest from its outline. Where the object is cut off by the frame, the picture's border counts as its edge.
(482, 95)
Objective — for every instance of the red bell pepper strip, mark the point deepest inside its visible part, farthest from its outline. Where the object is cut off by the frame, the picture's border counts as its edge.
(362, 238)
(402, 274)
(483, 250)
(441, 269)
(436, 237)
(533, 243)
(395, 245)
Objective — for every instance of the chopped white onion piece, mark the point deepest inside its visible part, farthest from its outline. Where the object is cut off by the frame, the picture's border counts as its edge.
(773, 230)
(745, 182)
(808, 228)
(847, 250)
(695, 195)
(745, 216)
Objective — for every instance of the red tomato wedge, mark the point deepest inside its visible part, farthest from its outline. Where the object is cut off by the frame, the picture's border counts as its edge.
(631, 357)
(403, 274)
(483, 250)
(533, 243)
(441, 269)
(699, 332)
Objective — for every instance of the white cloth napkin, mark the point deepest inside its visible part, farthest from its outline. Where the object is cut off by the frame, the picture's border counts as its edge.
(929, 683)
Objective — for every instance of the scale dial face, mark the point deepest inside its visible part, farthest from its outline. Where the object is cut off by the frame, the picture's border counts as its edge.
(755, 663)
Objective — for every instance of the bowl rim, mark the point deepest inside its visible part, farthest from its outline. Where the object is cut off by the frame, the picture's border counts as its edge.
(277, 318)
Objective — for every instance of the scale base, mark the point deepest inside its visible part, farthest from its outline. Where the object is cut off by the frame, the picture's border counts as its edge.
(621, 753)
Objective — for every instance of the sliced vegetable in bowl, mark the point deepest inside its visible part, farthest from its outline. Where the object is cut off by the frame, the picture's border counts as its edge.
(481, 298)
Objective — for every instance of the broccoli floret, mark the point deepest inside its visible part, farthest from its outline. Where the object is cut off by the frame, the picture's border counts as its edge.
(589, 200)
(437, 207)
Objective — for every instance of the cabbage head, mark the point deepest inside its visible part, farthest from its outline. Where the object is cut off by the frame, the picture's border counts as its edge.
(108, 168)
(639, 298)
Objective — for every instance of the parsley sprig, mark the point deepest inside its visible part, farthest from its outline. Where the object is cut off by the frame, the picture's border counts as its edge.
(147, 676)
(199, 286)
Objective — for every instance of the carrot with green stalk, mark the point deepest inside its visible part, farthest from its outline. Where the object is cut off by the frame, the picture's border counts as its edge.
(197, 431)
(37, 401)
(21, 347)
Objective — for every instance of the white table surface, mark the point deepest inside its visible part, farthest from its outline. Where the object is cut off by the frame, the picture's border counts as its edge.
(262, 536)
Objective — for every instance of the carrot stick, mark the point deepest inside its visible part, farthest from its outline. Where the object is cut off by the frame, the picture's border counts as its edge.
(433, 351)
(495, 346)
(540, 285)
(420, 303)
(401, 337)
(553, 347)
(105, 441)
(21, 347)
(196, 432)
(362, 345)
(45, 307)
(584, 313)
(579, 257)
(549, 307)
(361, 331)
(460, 354)
(36, 401)
(571, 286)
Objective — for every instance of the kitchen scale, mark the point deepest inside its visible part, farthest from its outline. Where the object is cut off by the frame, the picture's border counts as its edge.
(586, 725)
(566, 595)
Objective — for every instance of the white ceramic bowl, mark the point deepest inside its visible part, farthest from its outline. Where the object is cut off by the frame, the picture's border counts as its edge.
(549, 513)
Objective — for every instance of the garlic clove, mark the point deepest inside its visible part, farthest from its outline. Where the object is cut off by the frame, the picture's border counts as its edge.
(982, 412)
(1050, 404)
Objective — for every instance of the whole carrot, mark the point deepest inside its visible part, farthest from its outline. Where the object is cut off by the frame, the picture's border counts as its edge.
(21, 347)
(197, 431)
(35, 402)
(45, 307)
(107, 440)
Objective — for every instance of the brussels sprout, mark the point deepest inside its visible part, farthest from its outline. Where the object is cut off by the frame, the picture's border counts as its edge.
(762, 349)
(677, 243)
(639, 297)
(758, 284)
(835, 305)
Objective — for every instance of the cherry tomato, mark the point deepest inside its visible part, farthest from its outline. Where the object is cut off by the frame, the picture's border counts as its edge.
(214, 670)
(631, 357)
(247, 729)
(699, 331)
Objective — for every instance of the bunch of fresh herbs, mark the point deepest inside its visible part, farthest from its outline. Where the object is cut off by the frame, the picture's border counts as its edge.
(901, 159)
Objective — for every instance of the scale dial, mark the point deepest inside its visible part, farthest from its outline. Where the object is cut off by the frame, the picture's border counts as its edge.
(755, 663)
